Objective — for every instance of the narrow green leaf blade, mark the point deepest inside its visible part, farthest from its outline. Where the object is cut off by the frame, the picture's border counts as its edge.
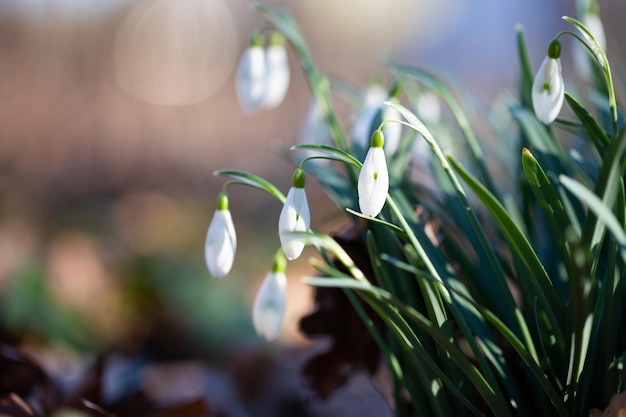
(603, 213)
(331, 152)
(246, 178)
(595, 132)
(539, 279)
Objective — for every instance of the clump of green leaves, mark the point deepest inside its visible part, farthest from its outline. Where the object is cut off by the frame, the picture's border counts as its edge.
(514, 306)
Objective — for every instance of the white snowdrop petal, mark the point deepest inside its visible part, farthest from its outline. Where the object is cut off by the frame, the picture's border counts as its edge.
(252, 78)
(268, 311)
(373, 182)
(294, 217)
(220, 244)
(277, 76)
(548, 90)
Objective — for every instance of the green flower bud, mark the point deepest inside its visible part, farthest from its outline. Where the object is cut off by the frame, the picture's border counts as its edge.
(280, 262)
(222, 201)
(299, 179)
(378, 139)
(257, 40)
(554, 49)
(277, 39)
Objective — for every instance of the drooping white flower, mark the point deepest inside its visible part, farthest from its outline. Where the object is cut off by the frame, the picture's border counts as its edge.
(294, 217)
(362, 126)
(277, 71)
(548, 87)
(268, 311)
(221, 241)
(252, 76)
(373, 183)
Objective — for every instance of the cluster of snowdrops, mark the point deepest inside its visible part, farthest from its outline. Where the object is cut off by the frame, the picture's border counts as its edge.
(262, 82)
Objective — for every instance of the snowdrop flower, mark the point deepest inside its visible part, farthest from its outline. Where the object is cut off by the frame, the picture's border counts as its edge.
(362, 126)
(252, 76)
(221, 241)
(373, 183)
(294, 217)
(277, 71)
(268, 311)
(548, 87)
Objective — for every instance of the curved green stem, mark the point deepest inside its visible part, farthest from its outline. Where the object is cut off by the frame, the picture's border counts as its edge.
(592, 45)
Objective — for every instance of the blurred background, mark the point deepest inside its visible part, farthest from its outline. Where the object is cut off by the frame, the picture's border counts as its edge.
(113, 116)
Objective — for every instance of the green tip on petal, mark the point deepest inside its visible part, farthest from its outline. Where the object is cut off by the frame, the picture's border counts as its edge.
(257, 40)
(378, 140)
(394, 92)
(554, 49)
(277, 39)
(222, 201)
(280, 262)
(299, 178)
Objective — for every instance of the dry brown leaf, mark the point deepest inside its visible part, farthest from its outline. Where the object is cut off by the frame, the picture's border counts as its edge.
(13, 405)
(616, 408)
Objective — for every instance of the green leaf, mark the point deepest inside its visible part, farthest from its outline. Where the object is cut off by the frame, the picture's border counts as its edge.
(538, 276)
(391, 226)
(245, 178)
(320, 240)
(333, 282)
(526, 75)
(330, 152)
(603, 213)
(495, 402)
(549, 201)
(527, 354)
(505, 299)
(592, 44)
(606, 188)
(439, 88)
(320, 86)
(595, 132)
(379, 300)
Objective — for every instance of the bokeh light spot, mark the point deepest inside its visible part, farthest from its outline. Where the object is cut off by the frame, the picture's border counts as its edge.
(175, 52)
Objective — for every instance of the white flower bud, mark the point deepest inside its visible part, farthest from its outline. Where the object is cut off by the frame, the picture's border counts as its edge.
(252, 78)
(277, 76)
(373, 182)
(221, 241)
(548, 89)
(268, 311)
(294, 217)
